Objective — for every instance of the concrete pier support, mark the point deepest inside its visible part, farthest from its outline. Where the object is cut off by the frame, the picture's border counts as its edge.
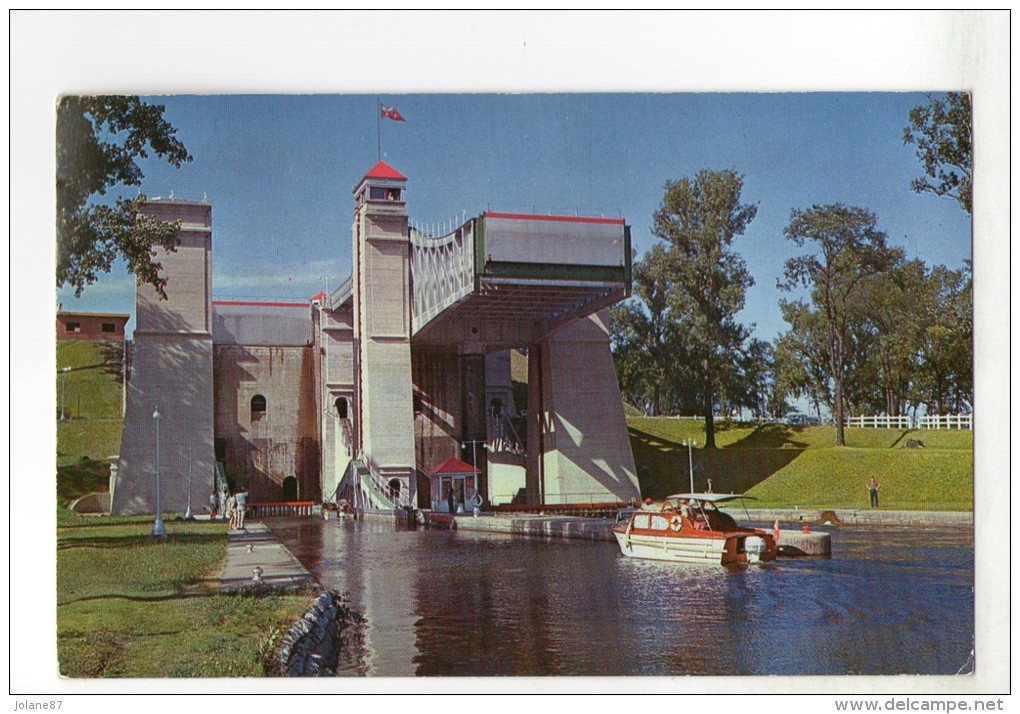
(172, 371)
(573, 395)
(473, 426)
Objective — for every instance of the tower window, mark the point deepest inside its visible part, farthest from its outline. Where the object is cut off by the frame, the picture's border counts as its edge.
(258, 407)
(341, 407)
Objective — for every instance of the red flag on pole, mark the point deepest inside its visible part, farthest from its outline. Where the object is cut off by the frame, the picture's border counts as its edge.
(390, 113)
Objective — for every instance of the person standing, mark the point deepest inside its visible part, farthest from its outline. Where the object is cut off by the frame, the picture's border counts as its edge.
(873, 492)
(231, 513)
(214, 505)
(240, 503)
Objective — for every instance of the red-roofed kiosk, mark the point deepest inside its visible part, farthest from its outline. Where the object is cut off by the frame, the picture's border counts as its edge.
(453, 484)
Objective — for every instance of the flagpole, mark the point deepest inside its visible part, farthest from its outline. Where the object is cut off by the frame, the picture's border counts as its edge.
(378, 128)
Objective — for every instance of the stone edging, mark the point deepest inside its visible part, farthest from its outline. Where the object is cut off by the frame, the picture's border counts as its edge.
(313, 645)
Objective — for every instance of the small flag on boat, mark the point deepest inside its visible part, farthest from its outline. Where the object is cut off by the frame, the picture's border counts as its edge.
(390, 113)
(775, 531)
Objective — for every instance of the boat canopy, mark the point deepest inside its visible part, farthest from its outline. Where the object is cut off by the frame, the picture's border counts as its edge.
(712, 497)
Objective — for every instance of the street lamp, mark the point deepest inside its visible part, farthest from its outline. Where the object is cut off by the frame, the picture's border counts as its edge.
(63, 379)
(188, 515)
(157, 527)
(474, 464)
(690, 462)
(474, 461)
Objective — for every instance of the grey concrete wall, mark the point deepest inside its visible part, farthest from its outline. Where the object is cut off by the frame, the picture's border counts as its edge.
(172, 371)
(336, 339)
(382, 333)
(262, 450)
(498, 381)
(506, 477)
(261, 324)
(577, 437)
(553, 239)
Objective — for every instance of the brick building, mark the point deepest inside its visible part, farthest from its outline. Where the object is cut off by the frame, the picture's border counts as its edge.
(91, 326)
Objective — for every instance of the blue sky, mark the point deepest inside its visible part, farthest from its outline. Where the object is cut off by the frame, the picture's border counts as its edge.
(278, 170)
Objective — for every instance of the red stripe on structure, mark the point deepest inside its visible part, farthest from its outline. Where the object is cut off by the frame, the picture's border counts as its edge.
(259, 304)
(559, 219)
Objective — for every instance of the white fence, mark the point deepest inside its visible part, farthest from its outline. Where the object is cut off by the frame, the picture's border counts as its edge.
(881, 422)
(932, 421)
(949, 421)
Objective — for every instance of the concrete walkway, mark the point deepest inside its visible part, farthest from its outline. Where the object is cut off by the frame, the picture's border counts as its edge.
(256, 546)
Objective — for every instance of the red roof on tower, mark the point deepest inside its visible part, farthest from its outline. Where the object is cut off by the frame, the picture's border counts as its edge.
(454, 465)
(382, 170)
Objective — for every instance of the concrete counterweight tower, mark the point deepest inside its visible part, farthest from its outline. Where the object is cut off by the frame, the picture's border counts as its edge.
(172, 370)
(382, 328)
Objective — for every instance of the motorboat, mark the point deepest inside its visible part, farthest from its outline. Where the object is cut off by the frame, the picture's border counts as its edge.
(690, 528)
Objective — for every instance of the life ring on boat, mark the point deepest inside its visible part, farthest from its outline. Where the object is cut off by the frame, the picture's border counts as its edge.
(676, 524)
(477, 501)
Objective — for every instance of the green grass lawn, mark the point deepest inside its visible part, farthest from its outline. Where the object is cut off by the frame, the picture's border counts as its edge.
(923, 480)
(89, 391)
(785, 466)
(94, 439)
(131, 606)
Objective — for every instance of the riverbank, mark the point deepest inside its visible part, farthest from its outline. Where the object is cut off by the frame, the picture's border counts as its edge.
(786, 466)
(130, 605)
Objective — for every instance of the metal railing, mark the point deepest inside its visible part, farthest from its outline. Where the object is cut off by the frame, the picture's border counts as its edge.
(442, 271)
(284, 508)
(503, 436)
(338, 296)
(382, 486)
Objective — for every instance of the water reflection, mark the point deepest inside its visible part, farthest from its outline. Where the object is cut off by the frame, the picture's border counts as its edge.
(890, 601)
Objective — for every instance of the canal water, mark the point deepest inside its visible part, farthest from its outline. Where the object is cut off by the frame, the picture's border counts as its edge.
(448, 603)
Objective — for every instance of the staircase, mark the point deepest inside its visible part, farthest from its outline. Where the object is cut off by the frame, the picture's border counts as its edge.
(363, 486)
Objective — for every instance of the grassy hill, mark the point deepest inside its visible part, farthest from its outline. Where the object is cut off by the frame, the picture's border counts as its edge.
(798, 466)
(93, 425)
(90, 392)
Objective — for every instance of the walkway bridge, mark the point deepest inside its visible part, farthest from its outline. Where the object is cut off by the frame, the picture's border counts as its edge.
(509, 279)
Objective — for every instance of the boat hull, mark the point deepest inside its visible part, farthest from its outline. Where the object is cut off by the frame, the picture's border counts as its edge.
(681, 549)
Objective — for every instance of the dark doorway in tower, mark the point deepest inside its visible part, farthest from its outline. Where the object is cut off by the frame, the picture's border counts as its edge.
(290, 493)
(341, 407)
(394, 485)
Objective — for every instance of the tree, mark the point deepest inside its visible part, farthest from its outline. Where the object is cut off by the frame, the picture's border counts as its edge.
(847, 249)
(941, 130)
(893, 306)
(698, 220)
(946, 353)
(646, 339)
(99, 140)
(801, 357)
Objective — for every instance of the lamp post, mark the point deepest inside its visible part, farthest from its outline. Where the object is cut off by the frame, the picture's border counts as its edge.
(157, 528)
(63, 379)
(188, 515)
(690, 461)
(474, 464)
